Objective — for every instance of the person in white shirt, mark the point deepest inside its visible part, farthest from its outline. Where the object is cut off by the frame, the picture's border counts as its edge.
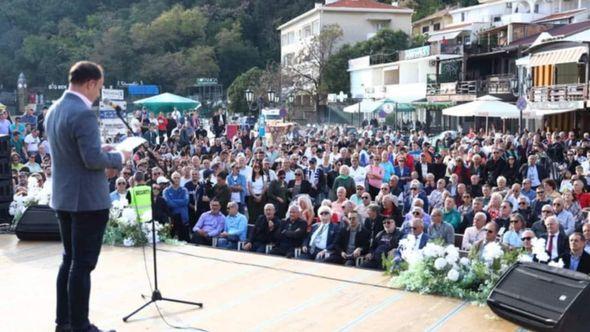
(565, 218)
(357, 172)
(476, 232)
(32, 142)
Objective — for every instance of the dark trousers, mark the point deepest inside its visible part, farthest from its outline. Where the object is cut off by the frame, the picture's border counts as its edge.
(199, 239)
(81, 234)
(179, 229)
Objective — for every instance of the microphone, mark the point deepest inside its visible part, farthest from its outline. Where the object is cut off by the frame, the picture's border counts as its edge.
(116, 107)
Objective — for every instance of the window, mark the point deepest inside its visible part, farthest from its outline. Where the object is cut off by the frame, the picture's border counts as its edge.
(315, 27)
(307, 31)
(425, 29)
(536, 8)
(284, 39)
(291, 38)
(380, 25)
(497, 18)
(462, 17)
(436, 26)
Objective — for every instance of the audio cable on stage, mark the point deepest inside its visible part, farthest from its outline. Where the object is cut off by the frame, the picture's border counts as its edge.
(147, 273)
(275, 269)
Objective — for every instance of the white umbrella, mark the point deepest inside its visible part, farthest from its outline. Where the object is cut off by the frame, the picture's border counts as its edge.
(366, 106)
(486, 106)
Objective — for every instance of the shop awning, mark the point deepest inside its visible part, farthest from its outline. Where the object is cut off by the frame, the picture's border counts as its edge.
(564, 55)
(443, 36)
(537, 113)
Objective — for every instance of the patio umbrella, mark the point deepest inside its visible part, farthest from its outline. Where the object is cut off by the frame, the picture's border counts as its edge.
(166, 102)
(485, 106)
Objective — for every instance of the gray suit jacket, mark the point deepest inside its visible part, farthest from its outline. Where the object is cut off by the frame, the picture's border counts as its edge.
(78, 162)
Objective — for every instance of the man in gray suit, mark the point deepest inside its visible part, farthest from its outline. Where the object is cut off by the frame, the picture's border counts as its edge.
(80, 190)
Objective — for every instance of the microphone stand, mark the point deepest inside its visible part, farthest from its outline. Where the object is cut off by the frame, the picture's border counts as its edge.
(156, 294)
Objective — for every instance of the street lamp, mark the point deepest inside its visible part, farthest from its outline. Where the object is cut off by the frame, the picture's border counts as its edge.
(249, 96)
(21, 84)
(291, 98)
(270, 95)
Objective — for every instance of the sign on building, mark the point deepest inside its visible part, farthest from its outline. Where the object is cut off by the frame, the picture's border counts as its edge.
(113, 94)
(110, 123)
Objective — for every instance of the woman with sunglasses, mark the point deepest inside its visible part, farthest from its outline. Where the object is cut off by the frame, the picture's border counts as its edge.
(257, 188)
(512, 238)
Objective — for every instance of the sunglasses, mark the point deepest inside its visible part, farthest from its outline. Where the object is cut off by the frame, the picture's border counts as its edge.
(121, 183)
(546, 211)
(521, 203)
(413, 188)
(365, 197)
(526, 238)
(297, 174)
(556, 204)
(513, 221)
(416, 213)
(412, 228)
(324, 213)
(540, 192)
(489, 231)
(387, 222)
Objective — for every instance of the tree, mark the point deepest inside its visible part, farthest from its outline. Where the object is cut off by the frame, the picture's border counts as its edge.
(236, 91)
(385, 44)
(307, 74)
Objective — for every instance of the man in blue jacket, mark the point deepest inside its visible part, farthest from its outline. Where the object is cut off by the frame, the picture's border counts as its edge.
(235, 228)
(238, 186)
(177, 199)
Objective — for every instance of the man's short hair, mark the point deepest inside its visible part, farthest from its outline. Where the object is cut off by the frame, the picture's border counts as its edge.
(84, 71)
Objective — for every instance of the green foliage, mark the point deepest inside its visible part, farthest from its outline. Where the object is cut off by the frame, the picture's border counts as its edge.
(235, 92)
(170, 43)
(385, 43)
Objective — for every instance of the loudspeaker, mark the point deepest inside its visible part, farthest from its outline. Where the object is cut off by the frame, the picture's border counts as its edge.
(6, 194)
(5, 148)
(39, 223)
(542, 298)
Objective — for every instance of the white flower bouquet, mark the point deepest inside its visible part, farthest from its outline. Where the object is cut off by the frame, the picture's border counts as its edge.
(439, 269)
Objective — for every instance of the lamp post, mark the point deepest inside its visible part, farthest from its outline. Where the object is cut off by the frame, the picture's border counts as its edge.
(21, 85)
(252, 104)
(291, 99)
(270, 94)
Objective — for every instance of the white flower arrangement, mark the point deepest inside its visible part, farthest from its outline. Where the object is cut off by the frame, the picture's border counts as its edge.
(453, 275)
(439, 269)
(440, 263)
(559, 263)
(35, 195)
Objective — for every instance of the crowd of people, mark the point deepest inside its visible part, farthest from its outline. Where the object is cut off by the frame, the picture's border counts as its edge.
(332, 195)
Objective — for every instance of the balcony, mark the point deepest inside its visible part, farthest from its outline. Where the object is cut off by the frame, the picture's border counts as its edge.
(455, 91)
(500, 84)
(562, 97)
(559, 93)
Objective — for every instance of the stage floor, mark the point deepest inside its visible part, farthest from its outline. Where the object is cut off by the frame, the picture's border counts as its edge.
(241, 292)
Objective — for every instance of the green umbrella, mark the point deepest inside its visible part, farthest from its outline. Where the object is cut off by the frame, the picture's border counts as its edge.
(166, 102)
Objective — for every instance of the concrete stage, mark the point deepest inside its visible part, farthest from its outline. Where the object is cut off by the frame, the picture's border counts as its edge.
(241, 292)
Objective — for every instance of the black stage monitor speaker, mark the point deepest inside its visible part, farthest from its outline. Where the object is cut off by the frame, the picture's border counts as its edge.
(38, 223)
(5, 148)
(543, 298)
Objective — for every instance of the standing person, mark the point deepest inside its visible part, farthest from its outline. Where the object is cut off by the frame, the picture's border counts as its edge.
(177, 199)
(80, 191)
(162, 125)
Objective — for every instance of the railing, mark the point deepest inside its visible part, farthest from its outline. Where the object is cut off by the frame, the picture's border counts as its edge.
(559, 93)
(500, 84)
(377, 59)
(462, 90)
